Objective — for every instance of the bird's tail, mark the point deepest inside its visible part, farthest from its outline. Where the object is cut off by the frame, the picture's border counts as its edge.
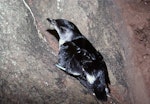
(100, 89)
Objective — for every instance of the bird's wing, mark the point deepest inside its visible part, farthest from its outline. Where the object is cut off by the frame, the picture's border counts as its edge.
(92, 60)
(79, 54)
(88, 48)
(74, 54)
(68, 59)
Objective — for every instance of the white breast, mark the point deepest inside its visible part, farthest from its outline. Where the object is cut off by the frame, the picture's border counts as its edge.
(66, 37)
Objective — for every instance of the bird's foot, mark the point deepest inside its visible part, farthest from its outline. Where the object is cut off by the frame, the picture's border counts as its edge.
(60, 67)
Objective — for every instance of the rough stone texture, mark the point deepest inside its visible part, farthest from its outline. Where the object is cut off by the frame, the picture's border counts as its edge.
(136, 16)
(95, 22)
(28, 53)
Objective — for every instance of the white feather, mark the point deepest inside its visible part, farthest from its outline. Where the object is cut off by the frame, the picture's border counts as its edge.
(66, 37)
(90, 78)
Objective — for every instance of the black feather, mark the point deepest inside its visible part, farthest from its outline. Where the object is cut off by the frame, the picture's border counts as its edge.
(79, 58)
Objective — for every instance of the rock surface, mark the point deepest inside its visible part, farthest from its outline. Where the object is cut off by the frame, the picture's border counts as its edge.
(28, 53)
(136, 16)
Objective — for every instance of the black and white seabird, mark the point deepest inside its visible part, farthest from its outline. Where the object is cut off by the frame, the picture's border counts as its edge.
(79, 58)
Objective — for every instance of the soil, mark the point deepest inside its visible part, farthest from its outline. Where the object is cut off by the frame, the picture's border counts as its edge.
(136, 14)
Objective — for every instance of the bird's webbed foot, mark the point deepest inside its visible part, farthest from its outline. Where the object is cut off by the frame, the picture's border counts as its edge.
(73, 73)
(60, 67)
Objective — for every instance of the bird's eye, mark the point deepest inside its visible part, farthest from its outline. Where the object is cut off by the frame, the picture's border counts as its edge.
(63, 29)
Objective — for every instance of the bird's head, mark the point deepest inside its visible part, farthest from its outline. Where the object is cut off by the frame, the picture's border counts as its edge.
(65, 29)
